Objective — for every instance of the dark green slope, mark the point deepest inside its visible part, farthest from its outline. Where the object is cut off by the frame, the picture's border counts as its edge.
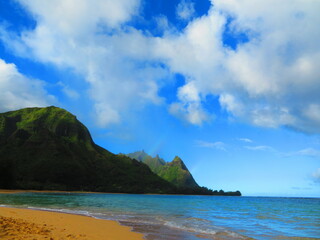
(48, 148)
(174, 172)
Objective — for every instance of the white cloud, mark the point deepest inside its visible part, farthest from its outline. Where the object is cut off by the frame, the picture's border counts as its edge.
(271, 80)
(91, 38)
(216, 145)
(78, 17)
(260, 148)
(163, 24)
(247, 140)
(306, 152)
(107, 114)
(231, 104)
(189, 107)
(189, 93)
(190, 112)
(18, 91)
(185, 10)
(279, 65)
(310, 152)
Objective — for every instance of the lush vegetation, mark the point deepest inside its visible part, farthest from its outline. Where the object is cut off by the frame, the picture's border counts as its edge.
(178, 174)
(49, 149)
(174, 172)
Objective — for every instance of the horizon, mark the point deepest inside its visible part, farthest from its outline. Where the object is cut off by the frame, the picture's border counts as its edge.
(231, 87)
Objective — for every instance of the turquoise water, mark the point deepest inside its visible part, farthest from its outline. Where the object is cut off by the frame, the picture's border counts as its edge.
(170, 217)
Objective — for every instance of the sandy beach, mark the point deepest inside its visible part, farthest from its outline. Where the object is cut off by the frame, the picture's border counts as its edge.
(5, 191)
(25, 224)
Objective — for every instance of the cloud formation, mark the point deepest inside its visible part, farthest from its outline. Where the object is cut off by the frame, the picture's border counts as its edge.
(91, 38)
(215, 145)
(189, 106)
(247, 140)
(260, 148)
(269, 80)
(185, 10)
(18, 91)
(309, 152)
(272, 79)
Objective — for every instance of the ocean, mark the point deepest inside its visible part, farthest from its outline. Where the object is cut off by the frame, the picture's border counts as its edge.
(177, 217)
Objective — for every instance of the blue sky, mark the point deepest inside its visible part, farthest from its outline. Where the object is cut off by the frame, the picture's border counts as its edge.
(232, 87)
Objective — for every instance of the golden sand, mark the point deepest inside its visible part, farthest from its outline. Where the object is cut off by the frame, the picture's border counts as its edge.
(10, 191)
(25, 224)
(6, 191)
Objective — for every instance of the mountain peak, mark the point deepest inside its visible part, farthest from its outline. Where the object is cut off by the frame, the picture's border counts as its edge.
(177, 161)
(175, 171)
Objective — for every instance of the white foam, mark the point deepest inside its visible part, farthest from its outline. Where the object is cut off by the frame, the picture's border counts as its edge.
(202, 230)
(61, 210)
(190, 229)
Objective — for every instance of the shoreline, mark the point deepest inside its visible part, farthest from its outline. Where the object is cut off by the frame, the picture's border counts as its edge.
(19, 224)
(163, 221)
(9, 191)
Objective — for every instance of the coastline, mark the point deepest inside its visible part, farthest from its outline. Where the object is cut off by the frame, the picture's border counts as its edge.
(9, 191)
(174, 217)
(30, 224)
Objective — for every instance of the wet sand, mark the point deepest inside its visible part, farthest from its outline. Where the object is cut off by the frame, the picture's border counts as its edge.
(25, 224)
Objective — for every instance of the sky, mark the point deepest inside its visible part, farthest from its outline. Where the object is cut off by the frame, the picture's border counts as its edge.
(230, 86)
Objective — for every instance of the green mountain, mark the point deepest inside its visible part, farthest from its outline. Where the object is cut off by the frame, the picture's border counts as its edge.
(177, 173)
(174, 172)
(155, 163)
(48, 148)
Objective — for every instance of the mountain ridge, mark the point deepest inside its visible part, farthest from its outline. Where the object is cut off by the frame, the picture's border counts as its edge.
(50, 149)
(175, 171)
